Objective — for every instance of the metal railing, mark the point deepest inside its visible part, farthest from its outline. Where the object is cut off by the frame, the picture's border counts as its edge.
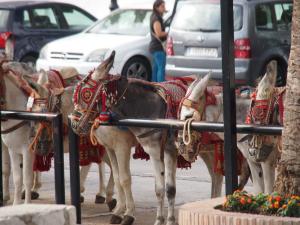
(57, 125)
(163, 124)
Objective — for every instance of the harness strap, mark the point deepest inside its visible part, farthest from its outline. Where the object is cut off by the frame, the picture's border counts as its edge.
(15, 127)
(148, 133)
(191, 104)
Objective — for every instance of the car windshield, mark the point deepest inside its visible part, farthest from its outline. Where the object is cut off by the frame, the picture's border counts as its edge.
(3, 18)
(124, 22)
(206, 17)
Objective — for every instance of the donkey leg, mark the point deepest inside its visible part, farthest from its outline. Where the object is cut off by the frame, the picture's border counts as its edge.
(100, 196)
(257, 176)
(123, 158)
(110, 185)
(5, 172)
(84, 170)
(37, 184)
(216, 179)
(268, 168)
(159, 173)
(27, 174)
(170, 160)
(120, 208)
(16, 164)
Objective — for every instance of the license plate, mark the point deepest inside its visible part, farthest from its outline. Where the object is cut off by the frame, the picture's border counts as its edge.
(202, 52)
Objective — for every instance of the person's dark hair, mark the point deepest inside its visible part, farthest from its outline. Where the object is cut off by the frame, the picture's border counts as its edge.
(156, 4)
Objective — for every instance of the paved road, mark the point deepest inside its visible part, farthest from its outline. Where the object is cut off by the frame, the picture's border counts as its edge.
(192, 185)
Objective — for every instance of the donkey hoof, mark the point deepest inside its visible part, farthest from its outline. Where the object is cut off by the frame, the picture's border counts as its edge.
(81, 199)
(99, 199)
(34, 195)
(115, 219)
(128, 220)
(112, 204)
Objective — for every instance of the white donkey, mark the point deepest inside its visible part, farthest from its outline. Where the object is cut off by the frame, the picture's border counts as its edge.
(14, 98)
(63, 103)
(262, 172)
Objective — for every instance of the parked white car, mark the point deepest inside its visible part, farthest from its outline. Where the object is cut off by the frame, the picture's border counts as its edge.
(125, 30)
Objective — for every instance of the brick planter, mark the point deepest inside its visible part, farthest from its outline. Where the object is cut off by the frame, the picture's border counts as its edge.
(203, 213)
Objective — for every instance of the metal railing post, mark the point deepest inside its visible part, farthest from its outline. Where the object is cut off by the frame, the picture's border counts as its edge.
(58, 159)
(74, 172)
(229, 110)
(1, 180)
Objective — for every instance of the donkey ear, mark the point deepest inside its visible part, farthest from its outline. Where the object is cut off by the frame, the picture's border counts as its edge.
(200, 87)
(43, 77)
(193, 84)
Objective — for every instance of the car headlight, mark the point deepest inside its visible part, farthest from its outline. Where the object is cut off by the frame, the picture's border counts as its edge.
(43, 52)
(97, 55)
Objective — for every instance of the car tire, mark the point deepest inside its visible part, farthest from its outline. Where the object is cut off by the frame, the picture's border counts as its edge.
(30, 60)
(137, 67)
(281, 75)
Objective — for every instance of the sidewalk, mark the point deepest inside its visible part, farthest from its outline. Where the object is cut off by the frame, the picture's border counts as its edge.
(192, 185)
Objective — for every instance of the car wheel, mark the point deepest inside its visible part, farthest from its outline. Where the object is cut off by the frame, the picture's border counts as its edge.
(137, 68)
(30, 60)
(281, 75)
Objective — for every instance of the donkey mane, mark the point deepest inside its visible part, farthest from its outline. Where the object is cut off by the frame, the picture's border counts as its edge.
(142, 84)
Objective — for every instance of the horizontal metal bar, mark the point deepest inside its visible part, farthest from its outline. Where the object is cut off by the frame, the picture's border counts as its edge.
(23, 115)
(199, 126)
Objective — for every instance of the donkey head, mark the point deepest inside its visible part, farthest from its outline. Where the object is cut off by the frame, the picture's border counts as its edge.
(86, 97)
(267, 84)
(260, 146)
(41, 132)
(101, 72)
(192, 109)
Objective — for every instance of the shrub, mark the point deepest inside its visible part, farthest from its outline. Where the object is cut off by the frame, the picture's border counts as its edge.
(273, 204)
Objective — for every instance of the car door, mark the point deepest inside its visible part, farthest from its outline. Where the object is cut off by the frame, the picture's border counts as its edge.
(37, 26)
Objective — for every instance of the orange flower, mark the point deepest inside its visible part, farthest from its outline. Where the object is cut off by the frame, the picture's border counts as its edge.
(276, 205)
(243, 201)
(270, 199)
(249, 200)
(278, 198)
(284, 206)
(271, 206)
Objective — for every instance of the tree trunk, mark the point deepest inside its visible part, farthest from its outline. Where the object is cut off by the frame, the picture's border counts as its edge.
(288, 179)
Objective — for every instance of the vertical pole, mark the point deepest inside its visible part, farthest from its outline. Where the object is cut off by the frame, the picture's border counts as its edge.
(58, 159)
(113, 5)
(1, 180)
(74, 172)
(229, 96)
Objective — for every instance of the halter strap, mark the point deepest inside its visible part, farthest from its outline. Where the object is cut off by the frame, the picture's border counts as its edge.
(15, 127)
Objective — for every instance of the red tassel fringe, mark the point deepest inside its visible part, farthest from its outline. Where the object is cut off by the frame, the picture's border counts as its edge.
(42, 163)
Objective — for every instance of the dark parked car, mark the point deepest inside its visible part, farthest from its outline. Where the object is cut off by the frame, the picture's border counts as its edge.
(262, 32)
(26, 26)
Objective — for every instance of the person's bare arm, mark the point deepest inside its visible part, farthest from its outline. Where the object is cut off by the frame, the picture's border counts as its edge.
(158, 31)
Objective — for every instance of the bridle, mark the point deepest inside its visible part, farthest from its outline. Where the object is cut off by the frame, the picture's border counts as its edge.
(17, 79)
(192, 138)
(262, 112)
(87, 96)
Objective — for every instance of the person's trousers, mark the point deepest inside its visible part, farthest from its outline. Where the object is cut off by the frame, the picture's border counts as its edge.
(158, 66)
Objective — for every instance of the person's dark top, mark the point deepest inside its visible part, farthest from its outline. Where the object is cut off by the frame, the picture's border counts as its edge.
(155, 45)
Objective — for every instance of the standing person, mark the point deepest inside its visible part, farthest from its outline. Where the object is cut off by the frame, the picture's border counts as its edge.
(158, 36)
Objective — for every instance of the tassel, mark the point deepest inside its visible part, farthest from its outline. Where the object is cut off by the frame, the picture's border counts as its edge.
(42, 163)
(140, 153)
